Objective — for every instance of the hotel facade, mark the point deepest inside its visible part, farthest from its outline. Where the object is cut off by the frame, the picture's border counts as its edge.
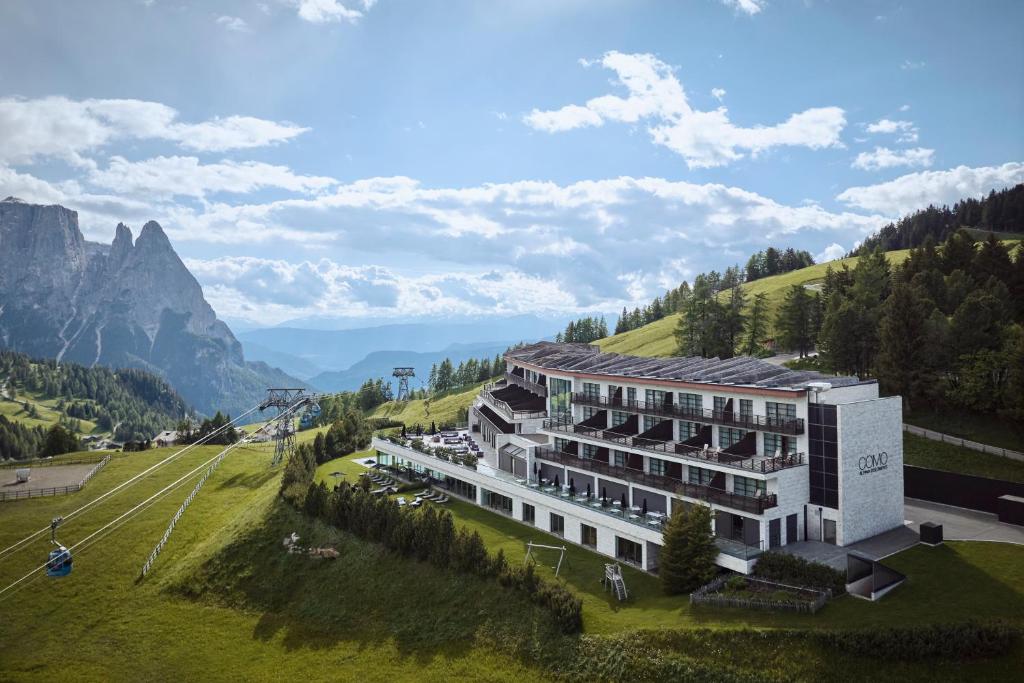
(599, 448)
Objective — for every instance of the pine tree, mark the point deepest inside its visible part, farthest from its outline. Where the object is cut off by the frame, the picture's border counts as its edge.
(908, 346)
(757, 324)
(687, 559)
(795, 322)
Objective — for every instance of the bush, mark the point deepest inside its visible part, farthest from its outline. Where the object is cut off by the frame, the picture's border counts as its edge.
(968, 640)
(736, 583)
(796, 571)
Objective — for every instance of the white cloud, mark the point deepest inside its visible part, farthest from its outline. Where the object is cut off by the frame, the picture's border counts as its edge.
(703, 139)
(830, 253)
(167, 177)
(327, 11)
(64, 128)
(883, 157)
(906, 130)
(915, 191)
(748, 7)
(236, 24)
(718, 93)
(909, 65)
(905, 107)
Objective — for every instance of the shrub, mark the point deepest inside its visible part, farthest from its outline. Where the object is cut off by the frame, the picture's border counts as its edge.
(796, 571)
(968, 640)
(736, 583)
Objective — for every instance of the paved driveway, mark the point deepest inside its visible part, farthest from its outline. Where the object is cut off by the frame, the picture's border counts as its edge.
(958, 524)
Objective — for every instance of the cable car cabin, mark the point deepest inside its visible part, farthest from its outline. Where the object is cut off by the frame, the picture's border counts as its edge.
(59, 563)
(306, 421)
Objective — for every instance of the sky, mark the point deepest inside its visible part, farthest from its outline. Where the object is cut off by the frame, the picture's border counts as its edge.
(380, 159)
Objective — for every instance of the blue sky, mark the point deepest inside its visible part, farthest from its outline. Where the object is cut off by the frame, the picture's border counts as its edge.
(361, 159)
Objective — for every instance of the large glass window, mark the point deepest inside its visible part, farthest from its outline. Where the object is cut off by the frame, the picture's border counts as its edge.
(777, 443)
(650, 422)
(588, 535)
(561, 445)
(691, 403)
(529, 514)
(591, 391)
(589, 451)
(557, 524)
(496, 501)
(619, 458)
(658, 466)
(461, 488)
(629, 551)
(688, 430)
(720, 403)
(631, 396)
(559, 396)
(823, 455)
(700, 476)
(729, 436)
(589, 412)
(745, 486)
(779, 413)
(746, 408)
(619, 417)
(654, 398)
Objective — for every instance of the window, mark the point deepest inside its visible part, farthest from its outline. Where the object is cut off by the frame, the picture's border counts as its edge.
(529, 514)
(619, 458)
(559, 396)
(631, 396)
(746, 408)
(461, 488)
(650, 422)
(589, 412)
(728, 436)
(654, 398)
(688, 430)
(659, 467)
(588, 535)
(745, 486)
(591, 391)
(557, 524)
(611, 395)
(619, 417)
(823, 452)
(496, 501)
(778, 443)
(720, 403)
(589, 451)
(629, 551)
(693, 404)
(779, 413)
(561, 445)
(700, 476)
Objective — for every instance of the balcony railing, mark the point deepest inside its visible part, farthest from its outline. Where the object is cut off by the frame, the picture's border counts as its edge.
(532, 387)
(505, 409)
(763, 423)
(762, 464)
(752, 504)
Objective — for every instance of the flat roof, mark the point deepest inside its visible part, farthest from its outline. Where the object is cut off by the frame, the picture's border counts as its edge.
(736, 371)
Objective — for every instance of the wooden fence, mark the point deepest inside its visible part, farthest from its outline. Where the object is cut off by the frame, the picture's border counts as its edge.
(966, 443)
(55, 490)
(708, 594)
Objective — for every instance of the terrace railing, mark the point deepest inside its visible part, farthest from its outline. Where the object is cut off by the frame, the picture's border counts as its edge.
(679, 449)
(505, 409)
(791, 426)
(532, 387)
(752, 504)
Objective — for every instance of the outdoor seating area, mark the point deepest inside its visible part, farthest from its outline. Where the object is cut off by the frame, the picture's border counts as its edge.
(615, 507)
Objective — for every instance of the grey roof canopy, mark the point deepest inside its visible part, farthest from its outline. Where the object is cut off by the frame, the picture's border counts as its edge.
(740, 370)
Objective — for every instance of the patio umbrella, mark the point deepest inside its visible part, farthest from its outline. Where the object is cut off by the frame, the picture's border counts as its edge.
(557, 484)
(572, 483)
(624, 506)
(588, 490)
(604, 496)
(645, 506)
(572, 489)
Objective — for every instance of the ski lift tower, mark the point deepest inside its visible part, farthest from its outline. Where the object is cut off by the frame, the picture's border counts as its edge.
(288, 403)
(403, 375)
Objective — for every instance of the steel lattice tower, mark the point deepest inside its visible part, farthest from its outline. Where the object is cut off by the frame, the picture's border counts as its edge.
(288, 403)
(403, 375)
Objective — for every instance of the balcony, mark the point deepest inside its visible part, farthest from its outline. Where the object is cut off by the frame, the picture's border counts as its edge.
(755, 505)
(728, 418)
(749, 463)
(505, 409)
(532, 387)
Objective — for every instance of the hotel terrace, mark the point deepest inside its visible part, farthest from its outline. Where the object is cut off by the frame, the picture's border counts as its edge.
(599, 448)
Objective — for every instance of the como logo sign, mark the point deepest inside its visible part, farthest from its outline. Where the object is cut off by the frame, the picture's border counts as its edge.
(873, 463)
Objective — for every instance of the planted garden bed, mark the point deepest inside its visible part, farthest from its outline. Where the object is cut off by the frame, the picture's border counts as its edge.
(752, 593)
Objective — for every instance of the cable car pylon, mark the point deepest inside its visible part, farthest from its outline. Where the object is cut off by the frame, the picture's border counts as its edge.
(289, 402)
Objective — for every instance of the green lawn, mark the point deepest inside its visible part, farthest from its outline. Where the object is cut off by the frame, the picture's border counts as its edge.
(47, 409)
(443, 410)
(922, 452)
(987, 429)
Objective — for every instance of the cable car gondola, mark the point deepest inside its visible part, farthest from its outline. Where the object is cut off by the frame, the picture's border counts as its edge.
(59, 561)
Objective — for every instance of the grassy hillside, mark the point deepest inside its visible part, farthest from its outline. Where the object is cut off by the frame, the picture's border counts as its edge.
(47, 411)
(657, 338)
(446, 409)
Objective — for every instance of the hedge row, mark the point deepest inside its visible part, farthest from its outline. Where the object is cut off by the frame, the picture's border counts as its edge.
(430, 536)
(959, 642)
(796, 571)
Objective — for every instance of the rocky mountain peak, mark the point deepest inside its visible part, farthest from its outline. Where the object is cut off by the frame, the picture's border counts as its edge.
(122, 245)
(13, 200)
(153, 237)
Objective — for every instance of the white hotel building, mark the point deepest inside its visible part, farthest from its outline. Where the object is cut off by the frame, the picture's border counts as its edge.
(780, 455)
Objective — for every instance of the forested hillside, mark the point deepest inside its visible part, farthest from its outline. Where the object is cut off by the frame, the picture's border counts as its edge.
(127, 404)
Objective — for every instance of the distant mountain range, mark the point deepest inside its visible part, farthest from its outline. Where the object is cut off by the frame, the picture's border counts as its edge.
(295, 349)
(130, 304)
(381, 363)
